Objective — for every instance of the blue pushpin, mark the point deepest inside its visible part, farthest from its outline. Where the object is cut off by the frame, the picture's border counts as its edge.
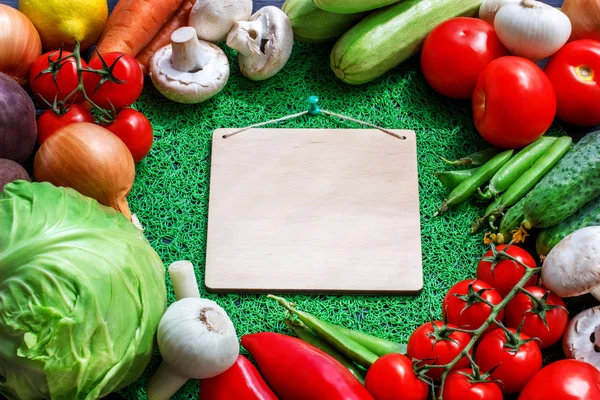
(313, 105)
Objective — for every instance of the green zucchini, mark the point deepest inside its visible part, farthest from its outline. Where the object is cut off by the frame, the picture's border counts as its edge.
(313, 25)
(588, 215)
(572, 183)
(390, 36)
(351, 6)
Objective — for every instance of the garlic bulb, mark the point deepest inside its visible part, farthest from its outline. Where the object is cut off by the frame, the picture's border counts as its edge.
(196, 338)
(532, 29)
(489, 8)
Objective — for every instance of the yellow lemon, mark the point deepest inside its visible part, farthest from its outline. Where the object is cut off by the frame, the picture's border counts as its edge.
(65, 21)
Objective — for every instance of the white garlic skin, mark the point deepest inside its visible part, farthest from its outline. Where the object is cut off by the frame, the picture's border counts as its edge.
(532, 29)
(197, 339)
(489, 9)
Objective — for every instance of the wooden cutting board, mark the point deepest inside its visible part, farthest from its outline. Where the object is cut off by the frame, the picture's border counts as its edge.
(314, 211)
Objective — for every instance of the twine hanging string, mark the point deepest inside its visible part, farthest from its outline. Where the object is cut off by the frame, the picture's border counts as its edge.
(314, 109)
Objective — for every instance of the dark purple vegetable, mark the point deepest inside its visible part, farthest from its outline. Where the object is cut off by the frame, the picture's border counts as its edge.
(10, 171)
(18, 131)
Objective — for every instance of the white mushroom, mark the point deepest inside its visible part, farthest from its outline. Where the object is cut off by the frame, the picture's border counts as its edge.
(264, 43)
(582, 339)
(213, 19)
(189, 70)
(572, 267)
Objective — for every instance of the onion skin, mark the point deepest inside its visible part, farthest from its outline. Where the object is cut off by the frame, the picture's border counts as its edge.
(18, 132)
(91, 160)
(585, 18)
(11, 171)
(20, 44)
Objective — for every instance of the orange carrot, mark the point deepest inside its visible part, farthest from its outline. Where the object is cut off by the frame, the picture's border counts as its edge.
(163, 37)
(134, 23)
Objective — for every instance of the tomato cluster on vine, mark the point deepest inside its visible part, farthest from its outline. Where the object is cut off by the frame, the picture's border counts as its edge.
(99, 91)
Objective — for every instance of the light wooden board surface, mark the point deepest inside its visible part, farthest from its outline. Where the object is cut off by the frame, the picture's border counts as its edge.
(314, 210)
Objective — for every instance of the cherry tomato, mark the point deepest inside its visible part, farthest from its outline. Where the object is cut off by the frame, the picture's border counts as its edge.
(575, 74)
(461, 386)
(134, 129)
(521, 307)
(514, 367)
(45, 88)
(109, 94)
(391, 377)
(433, 344)
(514, 103)
(564, 380)
(455, 53)
(507, 273)
(473, 316)
(49, 122)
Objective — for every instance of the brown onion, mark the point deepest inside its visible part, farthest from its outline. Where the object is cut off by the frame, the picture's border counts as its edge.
(20, 44)
(585, 18)
(91, 160)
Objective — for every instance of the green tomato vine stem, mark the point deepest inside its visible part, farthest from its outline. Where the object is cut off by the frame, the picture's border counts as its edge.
(477, 333)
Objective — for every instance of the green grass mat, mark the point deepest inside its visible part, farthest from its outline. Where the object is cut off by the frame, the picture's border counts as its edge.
(171, 191)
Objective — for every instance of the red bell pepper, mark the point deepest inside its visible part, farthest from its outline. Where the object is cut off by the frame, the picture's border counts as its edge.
(297, 370)
(240, 382)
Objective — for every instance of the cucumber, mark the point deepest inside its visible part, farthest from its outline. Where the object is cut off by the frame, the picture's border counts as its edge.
(572, 183)
(511, 222)
(390, 36)
(588, 215)
(313, 25)
(351, 6)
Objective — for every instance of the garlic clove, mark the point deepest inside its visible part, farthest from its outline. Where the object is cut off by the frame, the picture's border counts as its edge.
(489, 9)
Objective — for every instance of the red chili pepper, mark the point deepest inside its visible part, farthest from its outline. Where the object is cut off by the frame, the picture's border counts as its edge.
(240, 382)
(297, 370)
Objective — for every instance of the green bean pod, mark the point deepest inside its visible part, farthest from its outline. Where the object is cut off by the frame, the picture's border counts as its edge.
(379, 346)
(348, 347)
(470, 185)
(532, 176)
(475, 159)
(452, 179)
(517, 166)
(309, 337)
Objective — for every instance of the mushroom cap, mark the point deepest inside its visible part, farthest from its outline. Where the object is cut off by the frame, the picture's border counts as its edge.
(582, 337)
(572, 267)
(213, 19)
(190, 87)
(269, 48)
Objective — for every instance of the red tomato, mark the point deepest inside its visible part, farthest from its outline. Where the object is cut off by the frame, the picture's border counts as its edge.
(134, 129)
(564, 380)
(514, 103)
(515, 367)
(521, 307)
(473, 316)
(45, 88)
(391, 377)
(455, 53)
(459, 386)
(109, 94)
(575, 74)
(506, 273)
(434, 345)
(49, 122)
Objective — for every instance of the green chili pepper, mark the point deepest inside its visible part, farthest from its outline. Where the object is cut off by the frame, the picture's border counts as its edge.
(470, 185)
(379, 346)
(348, 347)
(517, 166)
(531, 177)
(452, 179)
(306, 335)
(475, 159)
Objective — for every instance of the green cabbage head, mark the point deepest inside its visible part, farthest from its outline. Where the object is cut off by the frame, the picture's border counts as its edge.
(81, 295)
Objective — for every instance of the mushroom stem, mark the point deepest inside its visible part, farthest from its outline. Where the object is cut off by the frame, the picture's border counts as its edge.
(187, 54)
(246, 36)
(596, 293)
